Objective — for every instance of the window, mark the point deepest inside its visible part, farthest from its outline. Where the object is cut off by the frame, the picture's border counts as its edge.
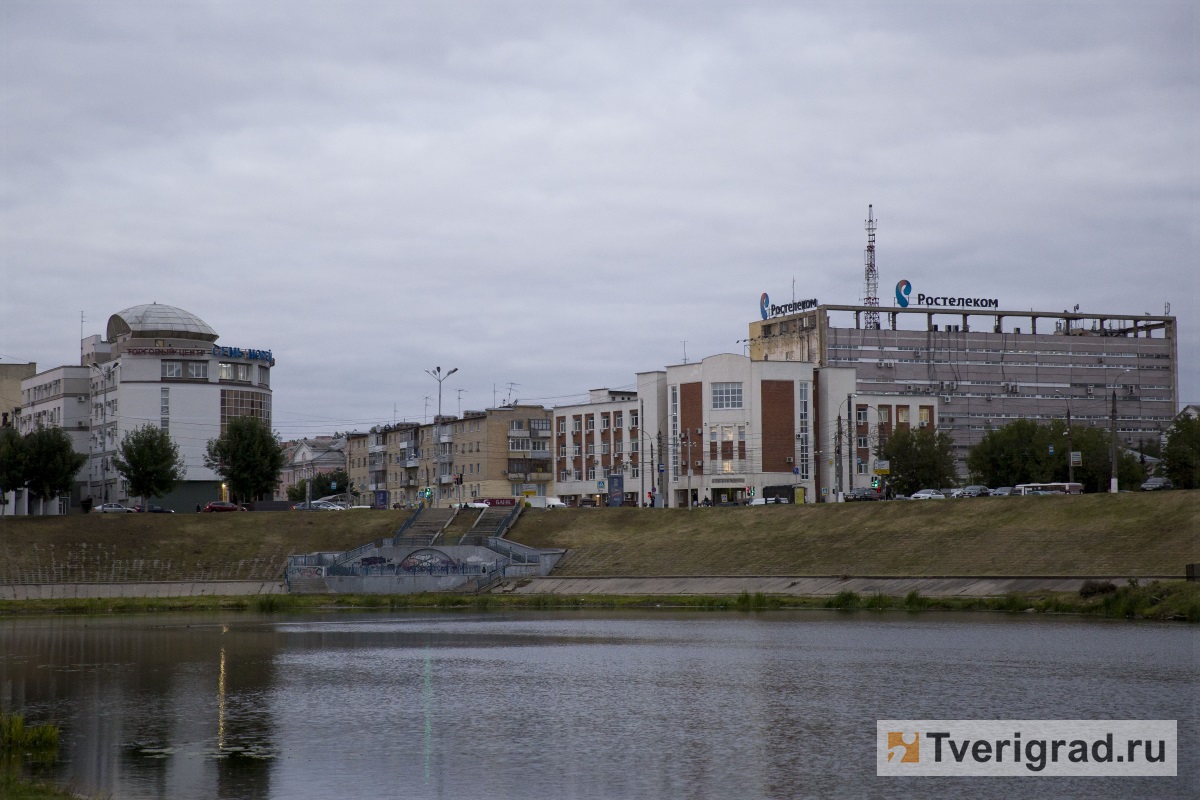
(576, 425)
(198, 369)
(902, 415)
(165, 403)
(539, 446)
(802, 441)
(633, 419)
(604, 422)
(562, 451)
(925, 413)
(165, 423)
(862, 443)
(243, 372)
(860, 416)
(635, 473)
(862, 468)
(539, 425)
(591, 473)
(517, 425)
(618, 419)
(591, 422)
(576, 473)
(172, 369)
(727, 395)
(518, 444)
(225, 371)
(591, 451)
(885, 415)
(577, 450)
(618, 447)
(562, 425)
(604, 448)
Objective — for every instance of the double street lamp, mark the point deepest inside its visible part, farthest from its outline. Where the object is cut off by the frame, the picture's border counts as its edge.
(1070, 446)
(437, 375)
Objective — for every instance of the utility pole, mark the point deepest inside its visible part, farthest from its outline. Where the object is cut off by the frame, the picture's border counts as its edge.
(642, 448)
(837, 450)
(851, 444)
(687, 437)
(1112, 458)
(659, 496)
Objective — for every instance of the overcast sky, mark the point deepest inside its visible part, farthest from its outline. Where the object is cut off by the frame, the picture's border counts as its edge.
(558, 195)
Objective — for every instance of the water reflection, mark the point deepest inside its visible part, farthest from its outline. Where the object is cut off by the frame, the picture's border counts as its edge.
(566, 704)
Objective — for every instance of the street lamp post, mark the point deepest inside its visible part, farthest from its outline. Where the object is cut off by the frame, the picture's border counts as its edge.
(1070, 445)
(1112, 475)
(436, 374)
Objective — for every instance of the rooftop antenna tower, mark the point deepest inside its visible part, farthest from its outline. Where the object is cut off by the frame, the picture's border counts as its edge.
(871, 293)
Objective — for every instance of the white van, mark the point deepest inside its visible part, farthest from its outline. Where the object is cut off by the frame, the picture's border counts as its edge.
(545, 502)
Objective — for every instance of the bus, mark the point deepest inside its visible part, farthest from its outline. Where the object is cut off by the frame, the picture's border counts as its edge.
(1048, 488)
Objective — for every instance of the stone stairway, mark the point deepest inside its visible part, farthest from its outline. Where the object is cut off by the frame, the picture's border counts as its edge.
(308, 586)
(485, 526)
(430, 524)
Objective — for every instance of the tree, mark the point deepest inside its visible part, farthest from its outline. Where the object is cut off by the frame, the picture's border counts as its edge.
(1181, 457)
(1020, 452)
(920, 459)
(248, 456)
(13, 459)
(51, 463)
(149, 459)
(322, 485)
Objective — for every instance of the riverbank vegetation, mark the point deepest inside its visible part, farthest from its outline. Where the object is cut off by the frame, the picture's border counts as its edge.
(37, 744)
(1158, 600)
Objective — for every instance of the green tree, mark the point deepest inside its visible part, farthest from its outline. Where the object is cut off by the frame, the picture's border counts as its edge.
(13, 459)
(248, 456)
(322, 485)
(1181, 457)
(149, 460)
(51, 463)
(920, 459)
(1020, 452)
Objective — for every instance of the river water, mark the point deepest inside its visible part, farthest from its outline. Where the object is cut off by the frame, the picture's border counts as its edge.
(648, 704)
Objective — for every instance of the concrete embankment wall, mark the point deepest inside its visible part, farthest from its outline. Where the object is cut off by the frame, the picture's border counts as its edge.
(87, 591)
(805, 586)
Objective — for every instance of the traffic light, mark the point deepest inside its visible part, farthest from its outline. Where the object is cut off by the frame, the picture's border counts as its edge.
(875, 482)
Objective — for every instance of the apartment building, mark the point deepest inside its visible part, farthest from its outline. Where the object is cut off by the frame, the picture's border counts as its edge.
(597, 450)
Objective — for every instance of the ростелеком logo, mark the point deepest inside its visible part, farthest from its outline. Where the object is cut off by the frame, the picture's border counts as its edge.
(903, 290)
(763, 305)
(900, 749)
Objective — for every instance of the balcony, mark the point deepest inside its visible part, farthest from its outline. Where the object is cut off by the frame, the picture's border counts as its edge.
(445, 479)
(446, 438)
(411, 463)
(407, 444)
(541, 476)
(546, 434)
(376, 448)
(517, 476)
(445, 458)
(409, 482)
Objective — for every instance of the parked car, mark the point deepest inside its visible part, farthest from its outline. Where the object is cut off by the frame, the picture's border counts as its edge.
(220, 506)
(112, 508)
(1002, 491)
(1157, 485)
(928, 494)
(153, 509)
(317, 505)
(975, 490)
(862, 493)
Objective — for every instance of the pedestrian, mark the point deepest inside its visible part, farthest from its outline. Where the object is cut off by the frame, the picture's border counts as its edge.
(197, 508)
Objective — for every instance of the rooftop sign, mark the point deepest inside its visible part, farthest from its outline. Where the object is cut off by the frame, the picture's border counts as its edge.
(767, 310)
(904, 291)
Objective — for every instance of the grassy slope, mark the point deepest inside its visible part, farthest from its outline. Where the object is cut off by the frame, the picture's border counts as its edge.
(1129, 534)
(131, 547)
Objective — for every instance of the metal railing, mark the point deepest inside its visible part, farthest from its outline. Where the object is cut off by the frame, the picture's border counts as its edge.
(395, 570)
(514, 552)
(350, 555)
(408, 523)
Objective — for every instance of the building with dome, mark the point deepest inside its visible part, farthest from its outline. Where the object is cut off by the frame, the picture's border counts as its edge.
(155, 365)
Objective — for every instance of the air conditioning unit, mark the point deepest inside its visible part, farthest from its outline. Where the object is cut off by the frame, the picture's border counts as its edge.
(699, 463)
(946, 398)
(790, 460)
(1091, 390)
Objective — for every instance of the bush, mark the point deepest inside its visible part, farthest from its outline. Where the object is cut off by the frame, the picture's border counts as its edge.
(914, 602)
(879, 602)
(1092, 588)
(846, 599)
(15, 736)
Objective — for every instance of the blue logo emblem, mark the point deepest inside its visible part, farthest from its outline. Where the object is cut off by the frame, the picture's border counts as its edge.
(903, 290)
(763, 305)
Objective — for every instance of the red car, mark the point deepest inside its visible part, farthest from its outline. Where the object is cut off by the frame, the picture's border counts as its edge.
(221, 505)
